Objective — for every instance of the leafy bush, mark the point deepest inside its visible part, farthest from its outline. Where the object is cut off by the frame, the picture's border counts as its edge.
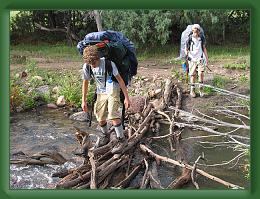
(219, 81)
(242, 66)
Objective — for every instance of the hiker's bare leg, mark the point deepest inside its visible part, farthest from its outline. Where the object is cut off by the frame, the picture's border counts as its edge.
(201, 77)
(192, 87)
(116, 122)
(201, 80)
(101, 123)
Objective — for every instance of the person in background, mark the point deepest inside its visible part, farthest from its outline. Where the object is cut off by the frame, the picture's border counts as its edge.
(195, 48)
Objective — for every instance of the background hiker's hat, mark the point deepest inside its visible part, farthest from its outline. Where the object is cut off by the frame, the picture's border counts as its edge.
(196, 26)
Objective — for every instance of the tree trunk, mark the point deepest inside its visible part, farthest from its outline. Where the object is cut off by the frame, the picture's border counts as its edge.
(98, 20)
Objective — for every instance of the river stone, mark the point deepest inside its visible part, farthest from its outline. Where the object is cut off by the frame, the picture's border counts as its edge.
(52, 106)
(61, 101)
(19, 109)
(56, 89)
(43, 90)
(80, 116)
(37, 77)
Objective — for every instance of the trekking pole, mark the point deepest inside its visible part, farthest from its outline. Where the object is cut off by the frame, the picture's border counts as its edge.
(122, 99)
(208, 68)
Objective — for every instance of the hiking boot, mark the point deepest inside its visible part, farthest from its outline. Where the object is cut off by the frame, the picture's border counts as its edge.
(192, 93)
(122, 143)
(104, 139)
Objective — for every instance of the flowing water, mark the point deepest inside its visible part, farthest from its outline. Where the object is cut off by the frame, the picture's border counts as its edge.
(50, 129)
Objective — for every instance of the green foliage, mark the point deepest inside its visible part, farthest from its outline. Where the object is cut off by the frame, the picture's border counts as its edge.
(179, 75)
(31, 67)
(16, 96)
(241, 63)
(91, 92)
(236, 66)
(208, 90)
(25, 25)
(219, 81)
(71, 88)
(148, 27)
(29, 100)
(246, 165)
(144, 27)
(243, 79)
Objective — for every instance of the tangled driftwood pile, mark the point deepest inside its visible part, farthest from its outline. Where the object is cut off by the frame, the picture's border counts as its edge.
(103, 169)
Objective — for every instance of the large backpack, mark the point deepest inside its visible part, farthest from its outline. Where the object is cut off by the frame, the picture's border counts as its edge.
(114, 46)
(186, 39)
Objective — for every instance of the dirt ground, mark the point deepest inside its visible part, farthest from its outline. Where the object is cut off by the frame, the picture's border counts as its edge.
(154, 68)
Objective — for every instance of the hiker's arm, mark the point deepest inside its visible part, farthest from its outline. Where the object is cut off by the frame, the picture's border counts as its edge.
(206, 54)
(124, 89)
(84, 95)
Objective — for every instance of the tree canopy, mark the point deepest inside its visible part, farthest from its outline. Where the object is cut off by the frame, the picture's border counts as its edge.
(144, 27)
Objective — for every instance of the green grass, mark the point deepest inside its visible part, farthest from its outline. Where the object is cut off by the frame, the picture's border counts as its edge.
(46, 51)
(243, 79)
(219, 81)
(166, 51)
(208, 90)
(242, 66)
(227, 52)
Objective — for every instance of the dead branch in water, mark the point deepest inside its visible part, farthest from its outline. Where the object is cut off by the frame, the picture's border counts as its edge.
(187, 166)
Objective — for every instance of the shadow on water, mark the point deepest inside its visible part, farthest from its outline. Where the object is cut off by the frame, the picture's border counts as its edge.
(51, 129)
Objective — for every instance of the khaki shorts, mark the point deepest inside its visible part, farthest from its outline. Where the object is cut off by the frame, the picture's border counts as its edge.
(107, 106)
(195, 66)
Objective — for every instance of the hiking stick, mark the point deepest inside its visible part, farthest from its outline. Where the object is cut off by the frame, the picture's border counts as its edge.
(208, 68)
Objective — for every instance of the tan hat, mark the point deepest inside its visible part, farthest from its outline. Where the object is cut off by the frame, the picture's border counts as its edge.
(196, 26)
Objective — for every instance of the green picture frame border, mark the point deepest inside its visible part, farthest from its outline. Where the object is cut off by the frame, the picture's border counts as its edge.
(7, 5)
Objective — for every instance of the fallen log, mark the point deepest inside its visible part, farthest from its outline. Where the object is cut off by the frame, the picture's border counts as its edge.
(201, 172)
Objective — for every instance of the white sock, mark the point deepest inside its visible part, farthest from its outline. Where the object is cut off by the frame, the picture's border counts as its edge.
(119, 131)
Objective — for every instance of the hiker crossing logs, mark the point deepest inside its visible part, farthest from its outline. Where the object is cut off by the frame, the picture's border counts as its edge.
(137, 165)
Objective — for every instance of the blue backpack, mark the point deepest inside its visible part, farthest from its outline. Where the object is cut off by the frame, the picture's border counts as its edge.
(114, 46)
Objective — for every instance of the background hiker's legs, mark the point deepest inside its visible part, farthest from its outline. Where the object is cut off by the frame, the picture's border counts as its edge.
(192, 73)
(201, 78)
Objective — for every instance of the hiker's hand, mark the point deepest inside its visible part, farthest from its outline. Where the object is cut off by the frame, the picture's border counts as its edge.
(84, 106)
(127, 103)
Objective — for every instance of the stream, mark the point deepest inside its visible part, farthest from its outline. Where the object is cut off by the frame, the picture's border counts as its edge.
(32, 132)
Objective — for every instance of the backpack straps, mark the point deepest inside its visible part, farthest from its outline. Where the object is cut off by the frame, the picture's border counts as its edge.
(108, 69)
(188, 44)
(90, 72)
